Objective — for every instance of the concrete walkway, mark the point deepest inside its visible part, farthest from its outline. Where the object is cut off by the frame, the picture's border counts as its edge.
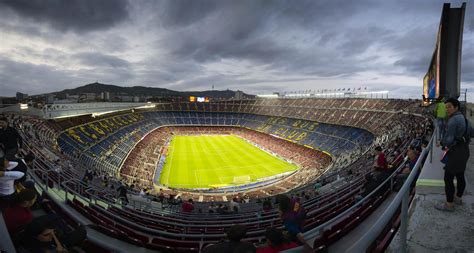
(430, 230)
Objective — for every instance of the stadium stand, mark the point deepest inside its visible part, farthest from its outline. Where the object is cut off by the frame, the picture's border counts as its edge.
(128, 147)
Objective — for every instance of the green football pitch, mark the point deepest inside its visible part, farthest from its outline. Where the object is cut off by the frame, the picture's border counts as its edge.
(208, 161)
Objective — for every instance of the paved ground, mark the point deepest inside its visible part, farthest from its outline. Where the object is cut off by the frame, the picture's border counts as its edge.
(430, 230)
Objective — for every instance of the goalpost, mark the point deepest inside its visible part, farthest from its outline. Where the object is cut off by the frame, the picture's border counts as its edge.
(241, 179)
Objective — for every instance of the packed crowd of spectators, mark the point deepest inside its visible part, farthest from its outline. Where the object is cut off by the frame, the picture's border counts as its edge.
(18, 196)
(141, 163)
(402, 131)
(370, 114)
(367, 114)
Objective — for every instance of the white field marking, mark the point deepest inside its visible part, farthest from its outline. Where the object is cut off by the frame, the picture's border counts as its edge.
(242, 149)
(197, 179)
(171, 163)
(274, 171)
(223, 179)
(261, 148)
(227, 168)
(220, 180)
(232, 167)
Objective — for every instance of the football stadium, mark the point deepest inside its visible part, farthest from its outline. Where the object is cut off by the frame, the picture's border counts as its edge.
(326, 170)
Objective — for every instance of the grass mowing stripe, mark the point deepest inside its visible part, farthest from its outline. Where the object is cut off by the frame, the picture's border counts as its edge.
(258, 159)
(217, 160)
(247, 152)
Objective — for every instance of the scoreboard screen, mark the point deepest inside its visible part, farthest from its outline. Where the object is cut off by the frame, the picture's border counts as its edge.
(199, 99)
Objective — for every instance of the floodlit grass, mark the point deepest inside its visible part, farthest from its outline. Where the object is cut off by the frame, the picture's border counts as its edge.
(214, 160)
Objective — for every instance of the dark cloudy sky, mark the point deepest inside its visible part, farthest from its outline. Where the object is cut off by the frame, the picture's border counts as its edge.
(254, 46)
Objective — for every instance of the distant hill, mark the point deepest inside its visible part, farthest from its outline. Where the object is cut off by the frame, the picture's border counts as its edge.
(98, 88)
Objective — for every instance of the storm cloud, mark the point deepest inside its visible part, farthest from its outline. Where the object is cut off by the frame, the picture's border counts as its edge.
(96, 59)
(78, 15)
(256, 46)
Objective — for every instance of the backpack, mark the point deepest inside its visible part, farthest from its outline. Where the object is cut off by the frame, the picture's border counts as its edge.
(468, 132)
(466, 137)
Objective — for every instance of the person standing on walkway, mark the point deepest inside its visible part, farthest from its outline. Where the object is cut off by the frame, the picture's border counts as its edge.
(456, 142)
(440, 114)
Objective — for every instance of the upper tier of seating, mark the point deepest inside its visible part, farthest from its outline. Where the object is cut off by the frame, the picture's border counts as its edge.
(189, 232)
(91, 144)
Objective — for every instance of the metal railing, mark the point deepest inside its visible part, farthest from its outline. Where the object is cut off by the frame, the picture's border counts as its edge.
(402, 198)
(403, 195)
(365, 241)
(110, 200)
